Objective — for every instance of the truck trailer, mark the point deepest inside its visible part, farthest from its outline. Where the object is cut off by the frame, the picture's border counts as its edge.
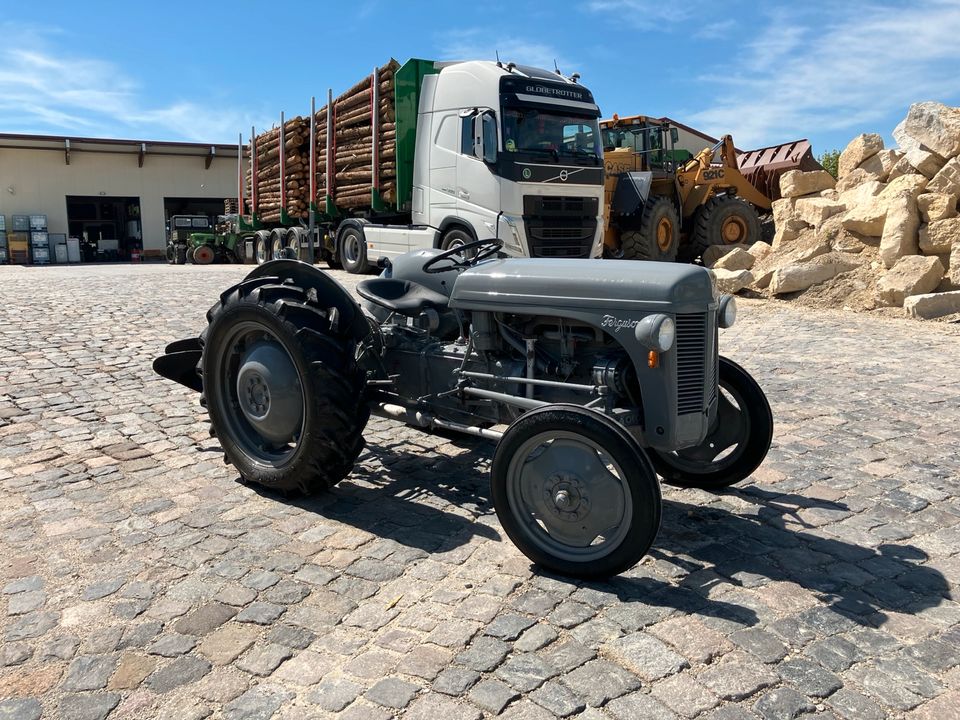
(430, 154)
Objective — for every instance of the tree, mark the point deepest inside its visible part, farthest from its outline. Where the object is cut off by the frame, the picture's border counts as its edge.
(830, 161)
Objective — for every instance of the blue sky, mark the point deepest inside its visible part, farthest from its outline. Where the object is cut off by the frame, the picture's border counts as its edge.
(765, 72)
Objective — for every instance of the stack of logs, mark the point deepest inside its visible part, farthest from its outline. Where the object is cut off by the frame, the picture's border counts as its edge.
(352, 145)
(297, 170)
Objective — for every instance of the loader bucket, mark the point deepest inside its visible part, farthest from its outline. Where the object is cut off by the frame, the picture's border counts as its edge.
(764, 167)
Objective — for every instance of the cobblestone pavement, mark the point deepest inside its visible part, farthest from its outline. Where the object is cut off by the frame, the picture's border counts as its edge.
(138, 579)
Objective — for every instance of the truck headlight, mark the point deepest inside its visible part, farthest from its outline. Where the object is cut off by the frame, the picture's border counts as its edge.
(727, 314)
(656, 332)
(514, 242)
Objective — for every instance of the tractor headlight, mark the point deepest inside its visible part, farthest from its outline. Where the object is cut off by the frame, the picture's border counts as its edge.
(656, 332)
(727, 314)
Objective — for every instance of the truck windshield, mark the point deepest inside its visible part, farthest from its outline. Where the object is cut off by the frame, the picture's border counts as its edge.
(531, 130)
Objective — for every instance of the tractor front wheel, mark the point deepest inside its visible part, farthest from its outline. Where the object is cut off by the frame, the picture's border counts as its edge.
(658, 236)
(735, 447)
(282, 387)
(203, 255)
(575, 492)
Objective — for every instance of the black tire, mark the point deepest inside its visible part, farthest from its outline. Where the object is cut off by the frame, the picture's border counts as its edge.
(352, 251)
(292, 240)
(658, 237)
(181, 255)
(333, 262)
(323, 449)
(637, 480)
(692, 467)
(171, 254)
(455, 238)
(278, 244)
(261, 247)
(723, 220)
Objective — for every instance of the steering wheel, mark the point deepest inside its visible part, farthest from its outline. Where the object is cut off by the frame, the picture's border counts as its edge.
(485, 249)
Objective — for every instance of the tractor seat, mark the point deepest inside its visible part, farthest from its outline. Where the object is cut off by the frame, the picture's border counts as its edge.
(402, 296)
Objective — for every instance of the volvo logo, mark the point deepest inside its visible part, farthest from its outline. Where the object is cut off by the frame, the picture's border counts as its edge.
(564, 175)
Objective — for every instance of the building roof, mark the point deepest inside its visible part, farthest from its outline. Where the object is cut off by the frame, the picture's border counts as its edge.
(68, 144)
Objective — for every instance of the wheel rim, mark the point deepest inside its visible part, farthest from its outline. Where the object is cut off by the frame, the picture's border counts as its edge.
(261, 252)
(351, 249)
(203, 255)
(260, 393)
(277, 249)
(294, 245)
(725, 445)
(568, 496)
(664, 234)
(734, 230)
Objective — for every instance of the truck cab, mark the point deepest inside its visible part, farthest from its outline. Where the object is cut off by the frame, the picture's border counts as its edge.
(512, 152)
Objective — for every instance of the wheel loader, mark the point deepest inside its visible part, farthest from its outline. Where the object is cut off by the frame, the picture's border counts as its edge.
(661, 206)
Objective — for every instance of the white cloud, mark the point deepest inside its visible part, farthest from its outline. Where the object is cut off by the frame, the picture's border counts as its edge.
(646, 14)
(45, 90)
(478, 44)
(803, 75)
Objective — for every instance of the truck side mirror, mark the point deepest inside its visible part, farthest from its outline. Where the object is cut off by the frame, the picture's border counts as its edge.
(488, 138)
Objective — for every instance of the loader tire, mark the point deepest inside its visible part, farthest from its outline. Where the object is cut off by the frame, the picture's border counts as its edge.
(723, 220)
(658, 236)
(282, 387)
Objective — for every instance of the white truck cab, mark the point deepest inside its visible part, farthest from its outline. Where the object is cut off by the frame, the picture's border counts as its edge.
(512, 152)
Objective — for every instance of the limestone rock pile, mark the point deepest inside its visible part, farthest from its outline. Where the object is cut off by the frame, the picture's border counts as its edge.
(886, 233)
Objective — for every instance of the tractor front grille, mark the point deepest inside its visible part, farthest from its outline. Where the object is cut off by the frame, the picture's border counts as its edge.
(558, 226)
(691, 343)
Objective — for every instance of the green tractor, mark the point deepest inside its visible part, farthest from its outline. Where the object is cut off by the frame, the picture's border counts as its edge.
(223, 245)
(180, 248)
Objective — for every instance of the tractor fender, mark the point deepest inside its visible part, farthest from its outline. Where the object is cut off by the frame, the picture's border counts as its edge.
(330, 293)
(633, 189)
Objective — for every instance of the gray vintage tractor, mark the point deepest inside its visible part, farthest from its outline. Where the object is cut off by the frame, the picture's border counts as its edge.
(592, 376)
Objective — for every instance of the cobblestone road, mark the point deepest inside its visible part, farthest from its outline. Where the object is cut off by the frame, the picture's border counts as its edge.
(138, 579)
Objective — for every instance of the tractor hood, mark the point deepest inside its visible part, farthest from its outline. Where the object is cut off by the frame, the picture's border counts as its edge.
(625, 285)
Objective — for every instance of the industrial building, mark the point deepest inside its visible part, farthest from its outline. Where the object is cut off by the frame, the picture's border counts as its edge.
(114, 196)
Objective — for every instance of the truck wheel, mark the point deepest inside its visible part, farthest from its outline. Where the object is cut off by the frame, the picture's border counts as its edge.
(353, 251)
(658, 237)
(575, 492)
(261, 243)
(293, 244)
(723, 220)
(455, 238)
(278, 243)
(735, 448)
(282, 387)
(203, 255)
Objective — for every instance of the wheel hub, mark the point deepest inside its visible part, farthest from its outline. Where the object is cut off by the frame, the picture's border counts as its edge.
(268, 390)
(565, 497)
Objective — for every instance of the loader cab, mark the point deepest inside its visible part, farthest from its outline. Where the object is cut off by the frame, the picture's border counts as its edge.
(651, 144)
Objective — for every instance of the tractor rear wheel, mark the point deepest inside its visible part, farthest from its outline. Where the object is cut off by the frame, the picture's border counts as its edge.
(723, 220)
(658, 236)
(282, 387)
(203, 255)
